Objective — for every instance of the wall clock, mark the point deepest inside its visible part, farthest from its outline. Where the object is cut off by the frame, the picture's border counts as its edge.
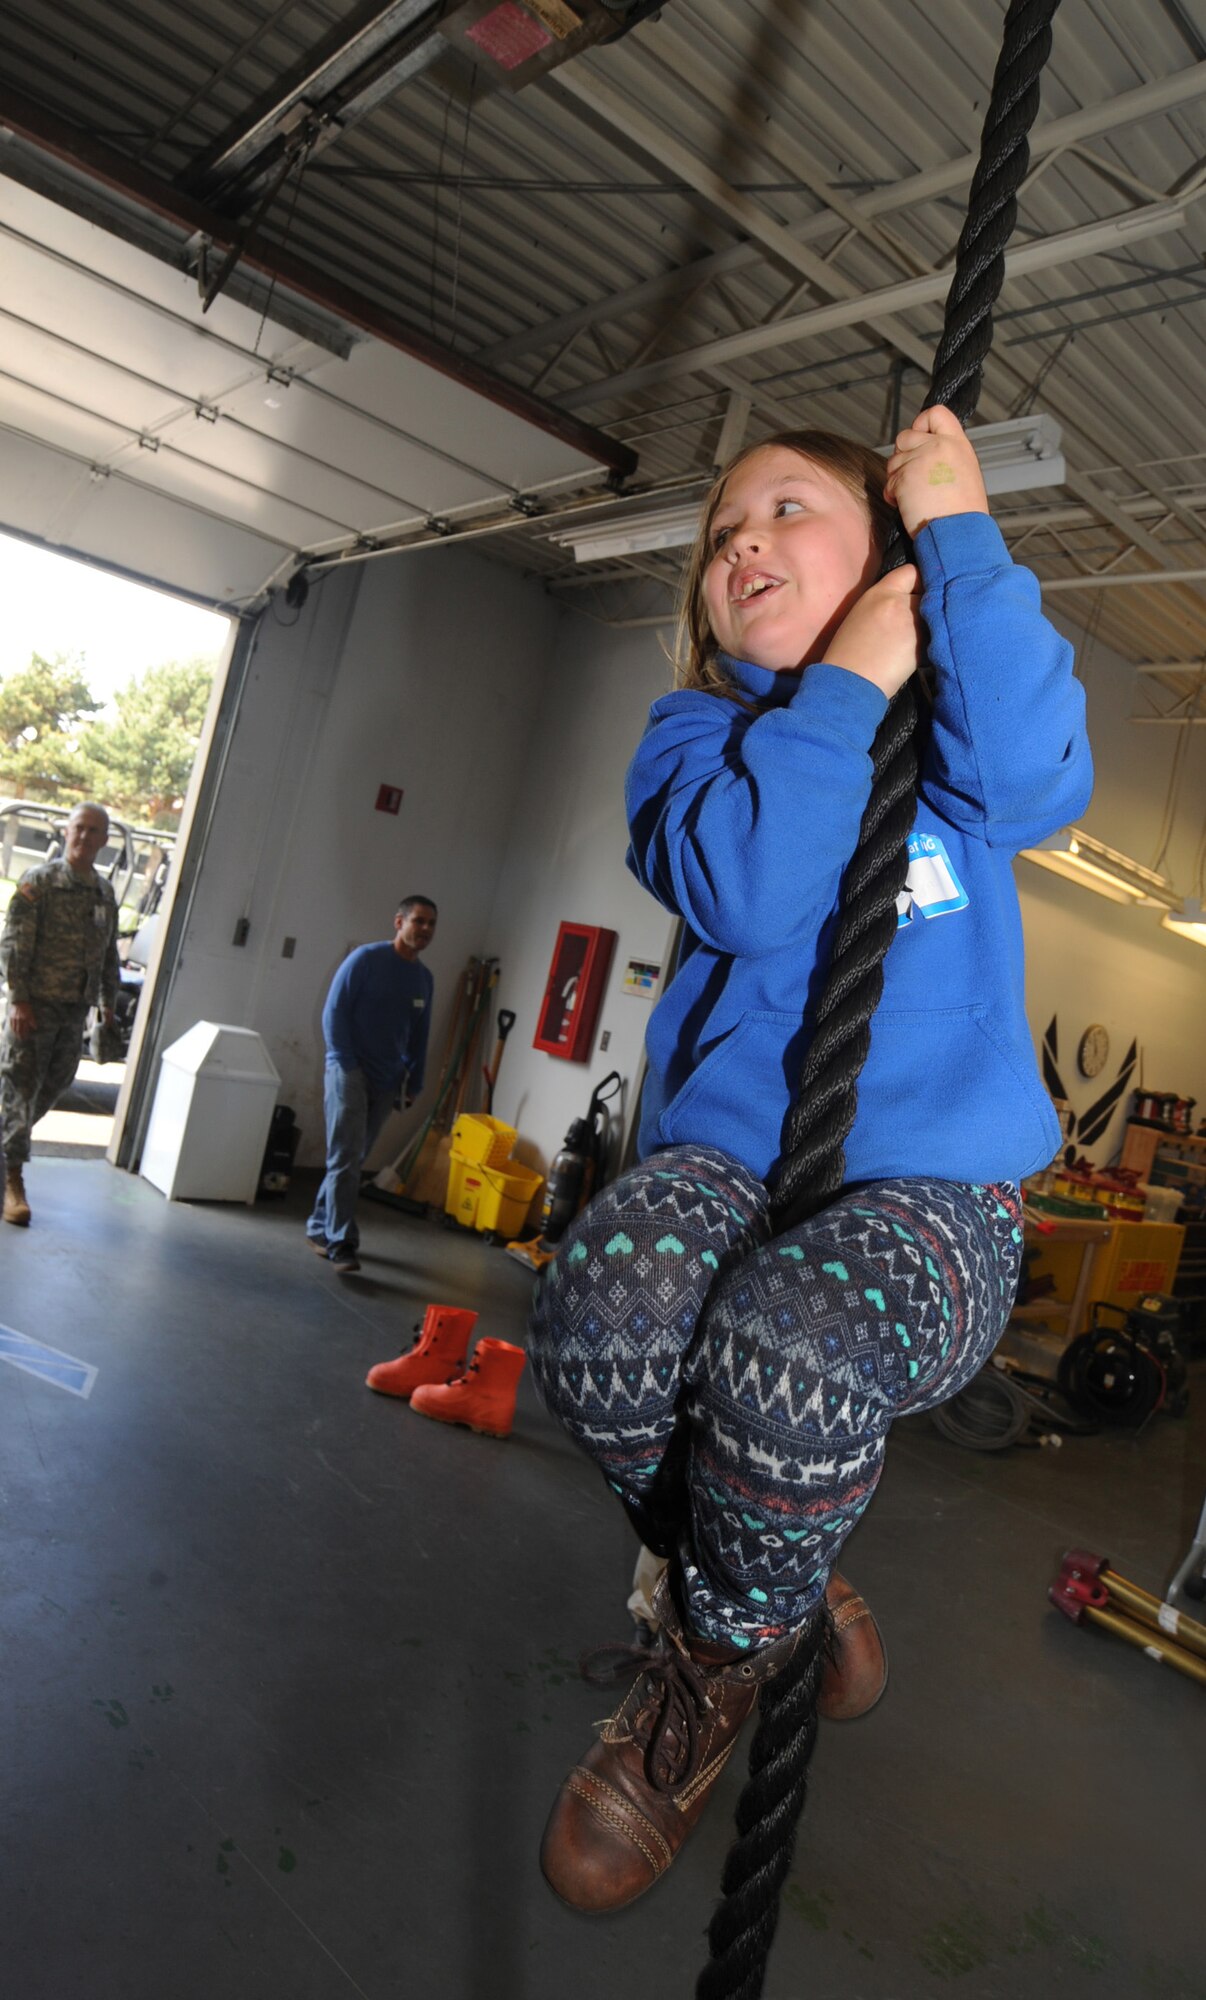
(1093, 1050)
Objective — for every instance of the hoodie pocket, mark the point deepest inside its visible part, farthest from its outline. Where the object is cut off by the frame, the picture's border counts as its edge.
(945, 1091)
(1039, 1128)
(740, 1087)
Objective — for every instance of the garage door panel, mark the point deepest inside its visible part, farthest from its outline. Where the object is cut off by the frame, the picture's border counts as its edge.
(88, 379)
(123, 410)
(45, 493)
(171, 473)
(36, 483)
(508, 450)
(39, 414)
(166, 470)
(225, 419)
(148, 321)
(361, 444)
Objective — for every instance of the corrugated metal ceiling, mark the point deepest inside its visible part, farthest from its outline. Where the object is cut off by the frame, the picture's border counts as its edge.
(616, 215)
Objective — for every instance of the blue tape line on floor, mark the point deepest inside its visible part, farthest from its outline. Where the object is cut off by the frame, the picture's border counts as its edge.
(49, 1363)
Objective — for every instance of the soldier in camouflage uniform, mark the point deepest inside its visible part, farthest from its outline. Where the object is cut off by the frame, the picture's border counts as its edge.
(58, 957)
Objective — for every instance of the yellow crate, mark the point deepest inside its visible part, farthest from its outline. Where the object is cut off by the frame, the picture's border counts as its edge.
(487, 1142)
(494, 1199)
(1136, 1257)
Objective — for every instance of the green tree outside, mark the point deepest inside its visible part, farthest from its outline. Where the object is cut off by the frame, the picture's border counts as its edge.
(141, 760)
(54, 747)
(45, 711)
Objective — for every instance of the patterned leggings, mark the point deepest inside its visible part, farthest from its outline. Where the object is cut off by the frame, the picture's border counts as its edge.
(751, 1439)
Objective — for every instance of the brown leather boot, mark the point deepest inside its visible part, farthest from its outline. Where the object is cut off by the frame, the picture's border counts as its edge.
(16, 1208)
(856, 1671)
(626, 1809)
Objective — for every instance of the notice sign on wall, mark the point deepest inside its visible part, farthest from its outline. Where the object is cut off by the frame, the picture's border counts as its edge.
(389, 798)
(641, 978)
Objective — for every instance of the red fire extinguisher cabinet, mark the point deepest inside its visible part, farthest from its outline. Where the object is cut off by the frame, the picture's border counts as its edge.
(574, 991)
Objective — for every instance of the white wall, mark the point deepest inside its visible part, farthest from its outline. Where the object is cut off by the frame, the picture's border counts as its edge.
(422, 672)
(565, 861)
(509, 722)
(1089, 959)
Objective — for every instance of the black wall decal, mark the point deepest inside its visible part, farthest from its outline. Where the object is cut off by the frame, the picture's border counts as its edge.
(1092, 1123)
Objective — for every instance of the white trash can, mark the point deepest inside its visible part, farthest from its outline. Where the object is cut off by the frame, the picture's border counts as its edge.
(209, 1122)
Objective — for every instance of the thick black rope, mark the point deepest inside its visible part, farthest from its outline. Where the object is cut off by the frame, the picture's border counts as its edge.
(818, 1124)
(743, 1927)
(768, 1812)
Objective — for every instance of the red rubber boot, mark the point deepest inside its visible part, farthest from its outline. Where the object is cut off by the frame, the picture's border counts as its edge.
(439, 1352)
(483, 1397)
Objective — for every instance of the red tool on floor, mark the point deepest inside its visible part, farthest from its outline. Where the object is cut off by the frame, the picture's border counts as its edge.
(1088, 1589)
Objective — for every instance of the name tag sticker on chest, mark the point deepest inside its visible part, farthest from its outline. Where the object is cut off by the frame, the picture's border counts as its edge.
(931, 885)
(100, 917)
(418, 1001)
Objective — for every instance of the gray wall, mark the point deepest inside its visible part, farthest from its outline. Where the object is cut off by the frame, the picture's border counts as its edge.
(417, 672)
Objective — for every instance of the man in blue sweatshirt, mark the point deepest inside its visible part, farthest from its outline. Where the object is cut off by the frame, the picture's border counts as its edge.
(375, 1026)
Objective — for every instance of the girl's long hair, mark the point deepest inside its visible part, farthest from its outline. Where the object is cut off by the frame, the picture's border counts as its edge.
(855, 466)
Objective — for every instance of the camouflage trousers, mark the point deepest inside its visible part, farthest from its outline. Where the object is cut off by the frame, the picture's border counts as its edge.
(34, 1073)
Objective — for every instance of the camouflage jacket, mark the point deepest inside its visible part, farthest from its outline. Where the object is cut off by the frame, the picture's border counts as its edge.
(59, 942)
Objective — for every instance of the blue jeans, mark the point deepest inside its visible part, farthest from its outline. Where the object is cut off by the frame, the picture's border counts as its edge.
(355, 1113)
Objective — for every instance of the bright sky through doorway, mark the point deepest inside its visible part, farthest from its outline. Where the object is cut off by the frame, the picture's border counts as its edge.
(51, 604)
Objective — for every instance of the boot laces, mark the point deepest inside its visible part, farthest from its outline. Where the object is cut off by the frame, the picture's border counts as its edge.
(667, 1722)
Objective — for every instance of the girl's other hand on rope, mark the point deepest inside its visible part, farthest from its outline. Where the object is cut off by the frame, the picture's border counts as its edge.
(880, 638)
(934, 471)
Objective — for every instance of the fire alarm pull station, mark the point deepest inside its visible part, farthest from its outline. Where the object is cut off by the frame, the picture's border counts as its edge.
(389, 798)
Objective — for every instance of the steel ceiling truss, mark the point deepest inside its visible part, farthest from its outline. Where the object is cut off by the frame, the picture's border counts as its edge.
(845, 302)
(1147, 101)
(356, 67)
(733, 109)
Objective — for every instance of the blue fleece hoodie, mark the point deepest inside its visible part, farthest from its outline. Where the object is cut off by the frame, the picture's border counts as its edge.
(742, 823)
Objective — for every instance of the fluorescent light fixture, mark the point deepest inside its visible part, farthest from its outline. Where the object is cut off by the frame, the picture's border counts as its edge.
(1014, 456)
(1188, 922)
(630, 534)
(1081, 858)
(1019, 454)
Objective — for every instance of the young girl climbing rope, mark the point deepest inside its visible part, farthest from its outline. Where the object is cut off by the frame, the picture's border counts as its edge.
(736, 1388)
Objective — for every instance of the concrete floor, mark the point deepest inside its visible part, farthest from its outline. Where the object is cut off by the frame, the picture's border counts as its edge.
(289, 1673)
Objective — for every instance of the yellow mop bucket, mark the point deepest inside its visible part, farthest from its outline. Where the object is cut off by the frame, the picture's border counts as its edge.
(487, 1189)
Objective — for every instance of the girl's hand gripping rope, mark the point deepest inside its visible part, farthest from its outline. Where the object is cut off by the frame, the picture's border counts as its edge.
(880, 637)
(934, 471)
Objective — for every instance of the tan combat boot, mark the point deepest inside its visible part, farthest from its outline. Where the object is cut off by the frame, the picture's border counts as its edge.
(16, 1208)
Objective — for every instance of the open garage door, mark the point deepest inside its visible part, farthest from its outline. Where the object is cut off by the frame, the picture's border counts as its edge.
(208, 450)
(216, 451)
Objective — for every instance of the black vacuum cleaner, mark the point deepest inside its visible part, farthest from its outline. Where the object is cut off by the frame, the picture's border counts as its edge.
(573, 1177)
